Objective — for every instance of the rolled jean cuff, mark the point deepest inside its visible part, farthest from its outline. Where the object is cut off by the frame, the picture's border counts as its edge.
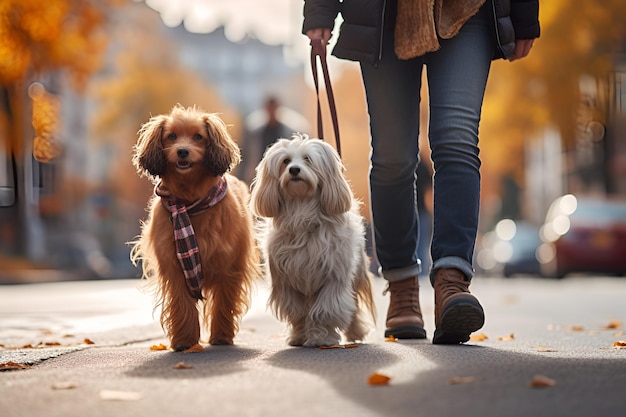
(452, 262)
(399, 274)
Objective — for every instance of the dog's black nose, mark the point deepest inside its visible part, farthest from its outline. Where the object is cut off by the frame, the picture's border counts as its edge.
(294, 171)
(182, 153)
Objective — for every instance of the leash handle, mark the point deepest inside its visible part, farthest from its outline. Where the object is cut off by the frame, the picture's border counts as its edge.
(319, 49)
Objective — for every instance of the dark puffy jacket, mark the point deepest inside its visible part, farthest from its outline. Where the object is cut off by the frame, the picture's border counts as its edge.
(360, 36)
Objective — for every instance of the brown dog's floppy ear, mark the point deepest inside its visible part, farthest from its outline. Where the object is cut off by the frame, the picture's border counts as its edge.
(149, 159)
(222, 153)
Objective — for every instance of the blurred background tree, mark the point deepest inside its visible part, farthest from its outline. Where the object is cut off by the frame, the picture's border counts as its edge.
(578, 39)
(37, 37)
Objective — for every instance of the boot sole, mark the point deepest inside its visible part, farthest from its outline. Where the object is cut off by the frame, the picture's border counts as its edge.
(406, 331)
(459, 319)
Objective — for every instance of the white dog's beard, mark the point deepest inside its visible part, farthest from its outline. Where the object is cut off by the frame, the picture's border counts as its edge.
(298, 188)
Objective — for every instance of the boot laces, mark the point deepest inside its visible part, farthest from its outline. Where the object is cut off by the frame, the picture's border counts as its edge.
(404, 296)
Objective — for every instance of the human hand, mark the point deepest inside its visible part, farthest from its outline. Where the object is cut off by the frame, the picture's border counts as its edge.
(522, 49)
(320, 33)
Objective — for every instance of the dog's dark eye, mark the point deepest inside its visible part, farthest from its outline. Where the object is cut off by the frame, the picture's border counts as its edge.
(287, 161)
(307, 159)
(197, 136)
(171, 136)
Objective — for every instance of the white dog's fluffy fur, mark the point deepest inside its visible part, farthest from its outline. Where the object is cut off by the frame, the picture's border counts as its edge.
(314, 243)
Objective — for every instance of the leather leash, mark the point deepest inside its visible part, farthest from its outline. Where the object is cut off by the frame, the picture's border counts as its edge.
(319, 49)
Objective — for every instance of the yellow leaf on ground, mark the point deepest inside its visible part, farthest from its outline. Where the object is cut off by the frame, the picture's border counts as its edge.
(620, 344)
(378, 379)
(391, 338)
(461, 380)
(13, 366)
(346, 346)
(615, 324)
(182, 365)
(478, 337)
(160, 346)
(195, 348)
(541, 381)
(507, 338)
(88, 342)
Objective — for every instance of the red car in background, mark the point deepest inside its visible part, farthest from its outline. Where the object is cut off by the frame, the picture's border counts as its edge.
(583, 234)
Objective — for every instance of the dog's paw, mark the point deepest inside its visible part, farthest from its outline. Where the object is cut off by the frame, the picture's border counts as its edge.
(180, 348)
(295, 341)
(220, 340)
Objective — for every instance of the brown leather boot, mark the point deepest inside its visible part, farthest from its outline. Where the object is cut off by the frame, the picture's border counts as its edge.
(404, 317)
(457, 312)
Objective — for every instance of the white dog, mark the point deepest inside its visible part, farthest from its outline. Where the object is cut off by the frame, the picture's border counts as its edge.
(313, 242)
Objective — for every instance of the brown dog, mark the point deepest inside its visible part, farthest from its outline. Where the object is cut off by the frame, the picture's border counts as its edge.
(198, 241)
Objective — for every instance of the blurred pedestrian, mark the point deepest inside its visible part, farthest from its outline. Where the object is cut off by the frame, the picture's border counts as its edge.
(260, 137)
(456, 41)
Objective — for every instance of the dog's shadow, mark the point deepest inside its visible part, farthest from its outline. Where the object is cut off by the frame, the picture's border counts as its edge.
(345, 370)
(213, 361)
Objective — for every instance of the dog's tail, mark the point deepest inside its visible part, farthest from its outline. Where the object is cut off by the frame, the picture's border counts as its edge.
(363, 288)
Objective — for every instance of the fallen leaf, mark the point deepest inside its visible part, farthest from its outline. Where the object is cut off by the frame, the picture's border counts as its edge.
(110, 395)
(195, 348)
(346, 346)
(507, 338)
(461, 380)
(63, 385)
(541, 381)
(378, 379)
(615, 324)
(88, 342)
(478, 337)
(576, 328)
(181, 365)
(13, 366)
(52, 344)
(620, 344)
(391, 338)
(67, 336)
(28, 346)
(160, 346)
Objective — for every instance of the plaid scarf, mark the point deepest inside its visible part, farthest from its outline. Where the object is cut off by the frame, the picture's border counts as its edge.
(187, 250)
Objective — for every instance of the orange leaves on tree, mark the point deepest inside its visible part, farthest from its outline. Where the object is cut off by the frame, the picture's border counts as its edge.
(45, 121)
(43, 35)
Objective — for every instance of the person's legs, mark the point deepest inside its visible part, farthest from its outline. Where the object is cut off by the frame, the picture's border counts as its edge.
(393, 97)
(457, 75)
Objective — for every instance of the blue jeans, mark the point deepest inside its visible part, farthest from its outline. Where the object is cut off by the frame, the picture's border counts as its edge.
(457, 75)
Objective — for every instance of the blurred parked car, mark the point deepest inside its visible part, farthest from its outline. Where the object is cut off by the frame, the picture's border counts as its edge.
(510, 249)
(584, 235)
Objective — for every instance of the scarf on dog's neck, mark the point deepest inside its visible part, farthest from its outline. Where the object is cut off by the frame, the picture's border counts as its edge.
(187, 250)
(420, 24)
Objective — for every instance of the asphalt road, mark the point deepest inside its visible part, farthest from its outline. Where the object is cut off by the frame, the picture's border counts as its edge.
(556, 329)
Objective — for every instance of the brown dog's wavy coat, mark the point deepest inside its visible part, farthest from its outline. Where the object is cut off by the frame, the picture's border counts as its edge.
(188, 151)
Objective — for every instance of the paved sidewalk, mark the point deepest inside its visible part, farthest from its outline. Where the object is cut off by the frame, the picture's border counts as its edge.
(557, 329)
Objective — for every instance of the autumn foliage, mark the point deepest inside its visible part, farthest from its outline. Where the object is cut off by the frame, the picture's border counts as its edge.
(36, 36)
